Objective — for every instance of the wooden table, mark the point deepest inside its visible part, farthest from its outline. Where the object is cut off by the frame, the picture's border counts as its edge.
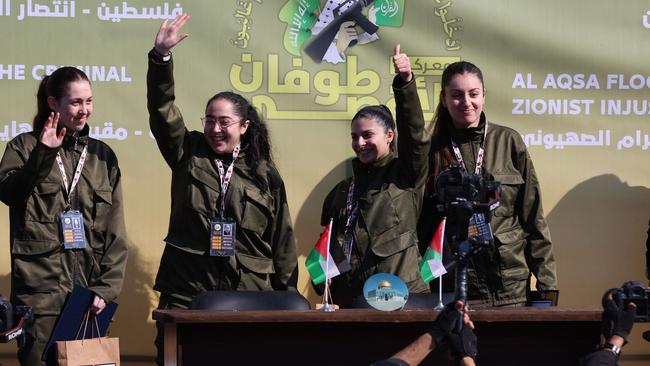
(506, 336)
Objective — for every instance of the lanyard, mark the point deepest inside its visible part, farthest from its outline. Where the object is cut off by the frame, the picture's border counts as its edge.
(225, 177)
(351, 212)
(77, 173)
(479, 157)
(351, 208)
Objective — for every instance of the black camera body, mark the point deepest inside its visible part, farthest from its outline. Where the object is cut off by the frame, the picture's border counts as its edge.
(461, 195)
(10, 329)
(634, 292)
(456, 187)
(6, 315)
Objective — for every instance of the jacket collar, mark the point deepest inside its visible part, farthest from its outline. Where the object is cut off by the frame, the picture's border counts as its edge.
(362, 171)
(463, 135)
(80, 139)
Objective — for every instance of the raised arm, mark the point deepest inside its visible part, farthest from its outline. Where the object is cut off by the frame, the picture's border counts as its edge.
(413, 143)
(165, 119)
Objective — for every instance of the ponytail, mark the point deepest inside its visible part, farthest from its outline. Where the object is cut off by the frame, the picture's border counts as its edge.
(42, 107)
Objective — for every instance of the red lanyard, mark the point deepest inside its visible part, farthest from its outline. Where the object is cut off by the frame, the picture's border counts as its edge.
(77, 173)
(479, 158)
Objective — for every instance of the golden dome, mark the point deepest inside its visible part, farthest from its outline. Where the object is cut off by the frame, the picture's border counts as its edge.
(384, 283)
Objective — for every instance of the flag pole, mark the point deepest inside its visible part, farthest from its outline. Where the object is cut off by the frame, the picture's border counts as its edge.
(441, 305)
(326, 299)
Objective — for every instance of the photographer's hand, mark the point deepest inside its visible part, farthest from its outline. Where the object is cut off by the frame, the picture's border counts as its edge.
(617, 319)
(462, 342)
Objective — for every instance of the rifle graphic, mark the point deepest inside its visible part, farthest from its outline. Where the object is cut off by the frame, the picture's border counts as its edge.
(349, 10)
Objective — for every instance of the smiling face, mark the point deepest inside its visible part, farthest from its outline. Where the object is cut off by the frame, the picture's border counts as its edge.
(222, 126)
(75, 105)
(370, 139)
(464, 97)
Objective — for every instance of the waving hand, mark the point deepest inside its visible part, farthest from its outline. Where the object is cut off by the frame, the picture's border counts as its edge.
(168, 35)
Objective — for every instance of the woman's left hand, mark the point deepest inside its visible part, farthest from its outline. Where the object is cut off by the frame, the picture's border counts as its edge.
(98, 305)
(402, 64)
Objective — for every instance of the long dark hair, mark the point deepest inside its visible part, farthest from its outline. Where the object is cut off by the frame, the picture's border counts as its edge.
(256, 138)
(54, 86)
(382, 115)
(441, 136)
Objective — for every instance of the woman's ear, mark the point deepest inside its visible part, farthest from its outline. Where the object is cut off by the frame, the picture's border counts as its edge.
(244, 127)
(53, 103)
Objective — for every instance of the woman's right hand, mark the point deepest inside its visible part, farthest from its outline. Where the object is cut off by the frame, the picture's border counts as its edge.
(402, 64)
(168, 36)
(49, 137)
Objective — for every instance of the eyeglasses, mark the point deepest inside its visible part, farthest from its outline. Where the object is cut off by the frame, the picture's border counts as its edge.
(210, 122)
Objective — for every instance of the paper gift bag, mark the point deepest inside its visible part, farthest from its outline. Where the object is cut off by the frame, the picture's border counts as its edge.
(103, 351)
(100, 351)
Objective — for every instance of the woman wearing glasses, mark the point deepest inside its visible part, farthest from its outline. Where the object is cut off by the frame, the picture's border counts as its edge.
(229, 227)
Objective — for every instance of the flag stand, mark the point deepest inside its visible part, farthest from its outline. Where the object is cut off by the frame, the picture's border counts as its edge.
(327, 307)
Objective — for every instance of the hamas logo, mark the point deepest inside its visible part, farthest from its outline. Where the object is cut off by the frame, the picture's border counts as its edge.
(325, 31)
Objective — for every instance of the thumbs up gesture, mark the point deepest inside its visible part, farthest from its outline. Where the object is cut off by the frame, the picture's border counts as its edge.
(402, 64)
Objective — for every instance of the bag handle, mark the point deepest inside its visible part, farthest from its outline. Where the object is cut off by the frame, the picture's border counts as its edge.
(84, 324)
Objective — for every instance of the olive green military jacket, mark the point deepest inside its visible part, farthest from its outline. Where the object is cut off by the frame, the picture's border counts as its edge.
(265, 242)
(389, 195)
(522, 241)
(42, 271)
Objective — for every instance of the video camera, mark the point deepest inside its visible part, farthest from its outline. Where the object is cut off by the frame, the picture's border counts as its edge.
(634, 292)
(455, 187)
(8, 331)
(460, 197)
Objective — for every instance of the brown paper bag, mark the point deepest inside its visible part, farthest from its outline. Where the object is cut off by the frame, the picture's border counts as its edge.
(100, 351)
(103, 351)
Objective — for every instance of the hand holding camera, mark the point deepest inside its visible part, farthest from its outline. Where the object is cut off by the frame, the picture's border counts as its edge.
(618, 317)
(461, 339)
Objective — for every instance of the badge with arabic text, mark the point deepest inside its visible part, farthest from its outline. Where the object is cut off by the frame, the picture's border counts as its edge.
(72, 229)
(222, 238)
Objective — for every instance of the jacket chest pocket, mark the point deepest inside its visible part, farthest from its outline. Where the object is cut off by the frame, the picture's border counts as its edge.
(202, 192)
(45, 204)
(102, 203)
(257, 210)
(382, 216)
(510, 185)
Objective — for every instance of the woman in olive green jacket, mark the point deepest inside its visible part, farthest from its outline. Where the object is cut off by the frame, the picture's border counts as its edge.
(462, 135)
(224, 187)
(375, 211)
(58, 169)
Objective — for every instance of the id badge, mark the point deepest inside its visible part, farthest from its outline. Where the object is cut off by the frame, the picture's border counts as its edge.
(479, 227)
(72, 227)
(222, 238)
